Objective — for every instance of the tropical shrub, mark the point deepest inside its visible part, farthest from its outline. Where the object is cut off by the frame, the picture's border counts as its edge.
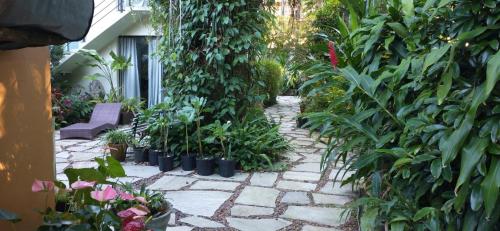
(256, 144)
(271, 74)
(70, 108)
(422, 135)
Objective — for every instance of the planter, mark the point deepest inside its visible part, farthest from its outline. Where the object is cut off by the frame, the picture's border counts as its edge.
(118, 151)
(166, 163)
(153, 157)
(227, 167)
(159, 222)
(301, 121)
(139, 155)
(188, 162)
(205, 167)
(126, 117)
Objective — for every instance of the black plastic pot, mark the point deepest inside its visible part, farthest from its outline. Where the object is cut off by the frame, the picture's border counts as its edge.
(166, 163)
(153, 157)
(188, 162)
(301, 121)
(139, 155)
(226, 167)
(205, 166)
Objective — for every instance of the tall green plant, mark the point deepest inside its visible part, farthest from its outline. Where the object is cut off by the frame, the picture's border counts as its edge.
(106, 69)
(424, 121)
(213, 51)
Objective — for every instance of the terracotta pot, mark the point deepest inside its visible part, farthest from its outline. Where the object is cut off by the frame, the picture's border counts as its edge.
(118, 151)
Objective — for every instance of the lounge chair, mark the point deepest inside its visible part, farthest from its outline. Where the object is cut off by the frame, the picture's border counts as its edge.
(105, 116)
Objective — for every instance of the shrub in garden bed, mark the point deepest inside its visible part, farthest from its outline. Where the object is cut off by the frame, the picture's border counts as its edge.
(425, 115)
(271, 74)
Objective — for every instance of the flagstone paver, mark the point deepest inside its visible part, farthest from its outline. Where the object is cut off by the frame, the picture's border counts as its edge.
(296, 198)
(320, 215)
(201, 222)
(216, 185)
(258, 196)
(202, 203)
(248, 210)
(258, 201)
(171, 183)
(266, 179)
(257, 224)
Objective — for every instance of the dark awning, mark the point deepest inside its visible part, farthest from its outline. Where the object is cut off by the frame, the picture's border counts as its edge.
(26, 23)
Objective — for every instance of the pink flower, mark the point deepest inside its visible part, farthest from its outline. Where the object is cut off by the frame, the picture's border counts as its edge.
(141, 199)
(82, 184)
(126, 196)
(107, 194)
(41, 185)
(333, 55)
(139, 210)
(133, 225)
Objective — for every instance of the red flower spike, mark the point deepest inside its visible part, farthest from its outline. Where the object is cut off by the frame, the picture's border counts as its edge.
(333, 55)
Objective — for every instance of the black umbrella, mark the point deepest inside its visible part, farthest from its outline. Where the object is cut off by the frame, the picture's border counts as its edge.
(25, 23)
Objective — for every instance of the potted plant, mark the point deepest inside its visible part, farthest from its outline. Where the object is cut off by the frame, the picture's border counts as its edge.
(166, 159)
(186, 117)
(117, 142)
(130, 107)
(220, 132)
(97, 203)
(204, 164)
(139, 146)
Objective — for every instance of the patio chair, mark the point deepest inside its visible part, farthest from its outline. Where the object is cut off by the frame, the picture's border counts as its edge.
(105, 116)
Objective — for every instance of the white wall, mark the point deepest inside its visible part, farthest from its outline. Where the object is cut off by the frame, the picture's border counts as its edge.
(141, 27)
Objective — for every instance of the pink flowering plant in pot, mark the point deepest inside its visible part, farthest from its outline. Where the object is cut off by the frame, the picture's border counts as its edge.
(96, 201)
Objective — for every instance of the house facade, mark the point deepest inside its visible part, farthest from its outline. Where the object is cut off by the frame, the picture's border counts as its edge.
(122, 27)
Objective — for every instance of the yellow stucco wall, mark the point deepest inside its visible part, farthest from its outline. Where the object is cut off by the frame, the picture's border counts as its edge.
(26, 141)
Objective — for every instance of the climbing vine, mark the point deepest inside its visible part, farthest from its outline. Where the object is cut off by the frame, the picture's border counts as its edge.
(209, 49)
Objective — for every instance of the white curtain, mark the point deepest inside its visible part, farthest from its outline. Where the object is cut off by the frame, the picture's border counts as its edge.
(130, 76)
(155, 72)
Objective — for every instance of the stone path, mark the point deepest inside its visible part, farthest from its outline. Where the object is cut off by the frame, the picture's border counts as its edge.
(300, 198)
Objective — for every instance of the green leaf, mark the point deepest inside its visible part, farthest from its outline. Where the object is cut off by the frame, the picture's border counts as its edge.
(399, 29)
(436, 168)
(476, 198)
(471, 154)
(408, 7)
(423, 212)
(490, 186)
(398, 226)
(374, 35)
(434, 56)
(445, 83)
(428, 4)
(368, 219)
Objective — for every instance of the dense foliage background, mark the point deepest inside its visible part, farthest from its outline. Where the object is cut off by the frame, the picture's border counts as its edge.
(419, 125)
